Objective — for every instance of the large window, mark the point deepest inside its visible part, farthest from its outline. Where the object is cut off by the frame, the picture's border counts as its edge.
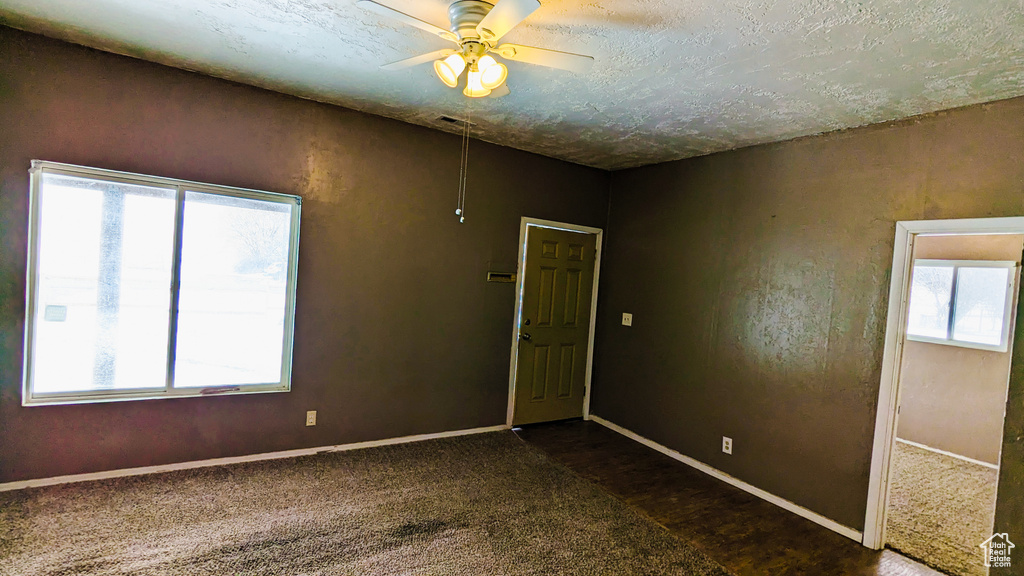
(962, 303)
(146, 287)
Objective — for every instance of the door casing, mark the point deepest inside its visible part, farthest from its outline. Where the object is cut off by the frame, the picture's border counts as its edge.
(888, 395)
(526, 222)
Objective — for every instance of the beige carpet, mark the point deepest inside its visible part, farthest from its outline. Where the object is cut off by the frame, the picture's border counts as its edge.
(940, 509)
(476, 505)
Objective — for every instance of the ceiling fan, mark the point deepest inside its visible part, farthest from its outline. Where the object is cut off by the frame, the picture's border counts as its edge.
(476, 28)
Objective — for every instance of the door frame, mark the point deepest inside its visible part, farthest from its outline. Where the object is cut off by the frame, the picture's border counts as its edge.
(524, 223)
(886, 418)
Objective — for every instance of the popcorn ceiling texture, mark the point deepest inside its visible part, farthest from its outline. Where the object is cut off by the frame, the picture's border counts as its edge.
(673, 79)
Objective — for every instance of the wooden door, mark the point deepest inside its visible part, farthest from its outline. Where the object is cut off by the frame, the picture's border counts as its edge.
(554, 328)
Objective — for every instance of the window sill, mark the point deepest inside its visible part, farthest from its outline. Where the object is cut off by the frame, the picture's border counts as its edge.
(104, 396)
(958, 343)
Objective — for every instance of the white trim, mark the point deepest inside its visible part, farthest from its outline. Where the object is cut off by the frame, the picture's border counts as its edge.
(886, 413)
(593, 326)
(520, 273)
(159, 181)
(732, 480)
(962, 226)
(947, 453)
(886, 416)
(965, 263)
(22, 484)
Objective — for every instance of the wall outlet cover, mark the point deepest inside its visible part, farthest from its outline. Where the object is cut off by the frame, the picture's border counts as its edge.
(726, 444)
(627, 319)
(311, 418)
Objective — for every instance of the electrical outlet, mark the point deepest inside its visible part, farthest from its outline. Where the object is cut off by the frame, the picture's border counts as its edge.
(311, 418)
(726, 444)
(627, 319)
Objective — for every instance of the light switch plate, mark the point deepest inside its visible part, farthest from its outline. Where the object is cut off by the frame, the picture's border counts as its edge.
(627, 319)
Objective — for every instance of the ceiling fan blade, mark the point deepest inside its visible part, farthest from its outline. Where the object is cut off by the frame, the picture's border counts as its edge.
(505, 15)
(406, 19)
(500, 91)
(417, 60)
(543, 57)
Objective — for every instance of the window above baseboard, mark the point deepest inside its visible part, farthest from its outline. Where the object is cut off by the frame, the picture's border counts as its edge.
(967, 303)
(144, 287)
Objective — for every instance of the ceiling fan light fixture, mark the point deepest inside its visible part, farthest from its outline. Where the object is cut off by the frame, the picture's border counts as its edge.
(476, 27)
(449, 69)
(492, 74)
(474, 87)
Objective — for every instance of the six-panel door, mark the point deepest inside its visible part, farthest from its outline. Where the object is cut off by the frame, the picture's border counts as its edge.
(555, 326)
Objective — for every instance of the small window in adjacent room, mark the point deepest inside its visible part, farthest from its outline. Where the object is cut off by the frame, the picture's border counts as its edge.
(146, 287)
(962, 303)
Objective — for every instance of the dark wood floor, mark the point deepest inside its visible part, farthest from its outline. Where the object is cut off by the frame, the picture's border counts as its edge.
(747, 535)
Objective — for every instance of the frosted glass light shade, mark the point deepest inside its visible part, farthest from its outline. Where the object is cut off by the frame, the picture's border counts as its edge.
(492, 74)
(474, 88)
(449, 69)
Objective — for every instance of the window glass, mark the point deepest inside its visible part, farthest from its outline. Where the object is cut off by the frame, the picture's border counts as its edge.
(234, 263)
(980, 305)
(148, 287)
(103, 285)
(930, 290)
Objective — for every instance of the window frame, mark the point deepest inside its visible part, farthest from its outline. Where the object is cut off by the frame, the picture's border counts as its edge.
(36, 172)
(1008, 308)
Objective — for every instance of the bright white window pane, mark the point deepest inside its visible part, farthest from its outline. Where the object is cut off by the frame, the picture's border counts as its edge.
(232, 305)
(103, 289)
(980, 305)
(930, 291)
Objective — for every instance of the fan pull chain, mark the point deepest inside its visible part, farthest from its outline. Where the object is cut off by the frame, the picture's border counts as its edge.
(460, 210)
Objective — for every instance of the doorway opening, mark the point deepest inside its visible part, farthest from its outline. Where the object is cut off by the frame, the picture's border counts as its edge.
(553, 328)
(939, 429)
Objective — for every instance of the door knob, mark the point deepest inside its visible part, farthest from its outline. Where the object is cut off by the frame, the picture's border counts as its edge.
(525, 336)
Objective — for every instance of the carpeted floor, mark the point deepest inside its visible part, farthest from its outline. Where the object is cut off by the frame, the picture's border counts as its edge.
(940, 509)
(475, 505)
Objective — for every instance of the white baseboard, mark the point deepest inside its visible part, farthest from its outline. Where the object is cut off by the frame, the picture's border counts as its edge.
(950, 454)
(21, 484)
(778, 501)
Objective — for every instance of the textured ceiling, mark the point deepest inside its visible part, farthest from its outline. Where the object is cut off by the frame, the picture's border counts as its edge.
(672, 79)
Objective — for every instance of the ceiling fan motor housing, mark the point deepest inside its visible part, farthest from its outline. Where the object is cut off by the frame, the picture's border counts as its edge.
(465, 15)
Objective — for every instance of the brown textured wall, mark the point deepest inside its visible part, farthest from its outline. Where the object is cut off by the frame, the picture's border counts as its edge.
(758, 281)
(397, 332)
(953, 398)
(1010, 498)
